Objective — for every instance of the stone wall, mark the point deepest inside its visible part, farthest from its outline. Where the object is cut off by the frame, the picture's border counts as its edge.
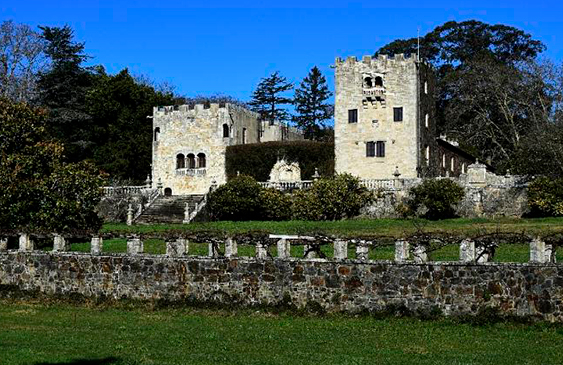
(339, 285)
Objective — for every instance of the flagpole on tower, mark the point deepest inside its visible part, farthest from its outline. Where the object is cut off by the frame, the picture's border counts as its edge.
(418, 44)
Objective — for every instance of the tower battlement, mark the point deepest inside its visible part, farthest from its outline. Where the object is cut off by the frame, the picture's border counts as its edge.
(380, 60)
(201, 110)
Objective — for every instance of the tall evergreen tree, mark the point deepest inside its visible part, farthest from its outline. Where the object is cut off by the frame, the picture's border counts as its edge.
(310, 104)
(268, 97)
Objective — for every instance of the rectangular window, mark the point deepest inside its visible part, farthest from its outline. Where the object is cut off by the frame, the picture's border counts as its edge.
(370, 149)
(380, 149)
(353, 116)
(398, 114)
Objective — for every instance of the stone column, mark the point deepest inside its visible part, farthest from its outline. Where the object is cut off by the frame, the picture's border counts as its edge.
(231, 248)
(261, 251)
(176, 248)
(419, 254)
(362, 251)
(186, 214)
(213, 250)
(60, 244)
(135, 246)
(467, 251)
(340, 250)
(3, 244)
(537, 250)
(481, 256)
(26, 244)
(308, 252)
(550, 254)
(401, 250)
(284, 248)
(96, 245)
(130, 215)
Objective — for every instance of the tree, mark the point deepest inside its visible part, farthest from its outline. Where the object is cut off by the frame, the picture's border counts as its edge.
(310, 104)
(40, 192)
(63, 88)
(268, 96)
(21, 59)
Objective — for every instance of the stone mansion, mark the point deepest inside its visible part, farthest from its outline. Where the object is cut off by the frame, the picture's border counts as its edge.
(384, 125)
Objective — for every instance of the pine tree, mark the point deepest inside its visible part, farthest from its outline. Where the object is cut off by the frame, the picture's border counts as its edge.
(310, 104)
(267, 98)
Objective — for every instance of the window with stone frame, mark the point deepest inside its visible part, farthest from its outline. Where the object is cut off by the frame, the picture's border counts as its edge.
(156, 133)
(190, 161)
(353, 116)
(226, 130)
(370, 149)
(375, 149)
(180, 161)
(398, 114)
(201, 162)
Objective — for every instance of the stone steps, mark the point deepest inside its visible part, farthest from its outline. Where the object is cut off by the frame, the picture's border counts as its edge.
(168, 209)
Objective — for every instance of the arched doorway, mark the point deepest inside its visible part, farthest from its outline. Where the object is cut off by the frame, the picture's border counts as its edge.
(167, 192)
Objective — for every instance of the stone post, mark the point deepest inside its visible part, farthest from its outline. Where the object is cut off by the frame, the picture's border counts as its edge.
(59, 243)
(467, 250)
(213, 250)
(3, 244)
(26, 244)
(419, 254)
(231, 248)
(148, 182)
(550, 254)
(176, 248)
(362, 251)
(284, 248)
(309, 253)
(481, 256)
(186, 214)
(135, 246)
(340, 250)
(96, 245)
(261, 251)
(401, 250)
(130, 215)
(537, 250)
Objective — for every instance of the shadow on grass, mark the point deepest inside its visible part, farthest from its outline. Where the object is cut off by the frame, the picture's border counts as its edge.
(106, 361)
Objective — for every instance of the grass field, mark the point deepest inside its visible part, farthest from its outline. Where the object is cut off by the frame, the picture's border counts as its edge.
(67, 334)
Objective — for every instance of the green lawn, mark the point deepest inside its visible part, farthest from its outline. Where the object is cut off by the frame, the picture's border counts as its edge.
(66, 334)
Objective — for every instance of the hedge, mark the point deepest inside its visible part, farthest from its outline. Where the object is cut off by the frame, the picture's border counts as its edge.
(257, 159)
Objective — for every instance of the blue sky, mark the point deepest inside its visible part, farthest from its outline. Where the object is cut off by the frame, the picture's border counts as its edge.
(204, 47)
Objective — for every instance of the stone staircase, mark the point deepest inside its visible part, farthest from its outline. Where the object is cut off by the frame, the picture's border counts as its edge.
(168, 209)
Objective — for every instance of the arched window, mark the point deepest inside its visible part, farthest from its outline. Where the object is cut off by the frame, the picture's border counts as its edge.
(191, 161)
(452, 164)
(201, 160)
(463, 168)
(167, 192)
(427, 154)
(378, 81)
(244, 136)
(225, 130)
(180, 161)
(156, 133)
(367, 82)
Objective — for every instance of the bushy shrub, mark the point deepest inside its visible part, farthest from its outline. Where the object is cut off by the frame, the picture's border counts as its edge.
(331, 199)
(274, 205)
(436, 198)
(545, 197)
(237, 200)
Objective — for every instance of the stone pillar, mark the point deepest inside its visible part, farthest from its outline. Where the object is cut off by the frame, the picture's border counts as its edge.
(231, 248)
(419, 254)
(60, 244)
(3, 244)
(537, 250)
(26, 244)
(96, 245)
(467, 250)
(550, 254)
(261, 251)
(340, 250)
(186, 214)
(176, 248)
(135, 246)
(481, 256)
(284, 248)
(130, 215)
(309, 253)
(362, 251)
(213, 250)
(401, 250)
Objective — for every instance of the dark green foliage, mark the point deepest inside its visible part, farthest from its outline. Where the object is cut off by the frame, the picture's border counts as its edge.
(310, 104)
(437, 197)
(39, 191)
(331, 199)
(237, 200)
(545, 197)
(257, 159)
(274, 205)
(268, 97)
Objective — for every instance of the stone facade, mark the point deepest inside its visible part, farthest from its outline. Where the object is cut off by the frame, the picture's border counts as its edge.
(336, 285)
(189, 144)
